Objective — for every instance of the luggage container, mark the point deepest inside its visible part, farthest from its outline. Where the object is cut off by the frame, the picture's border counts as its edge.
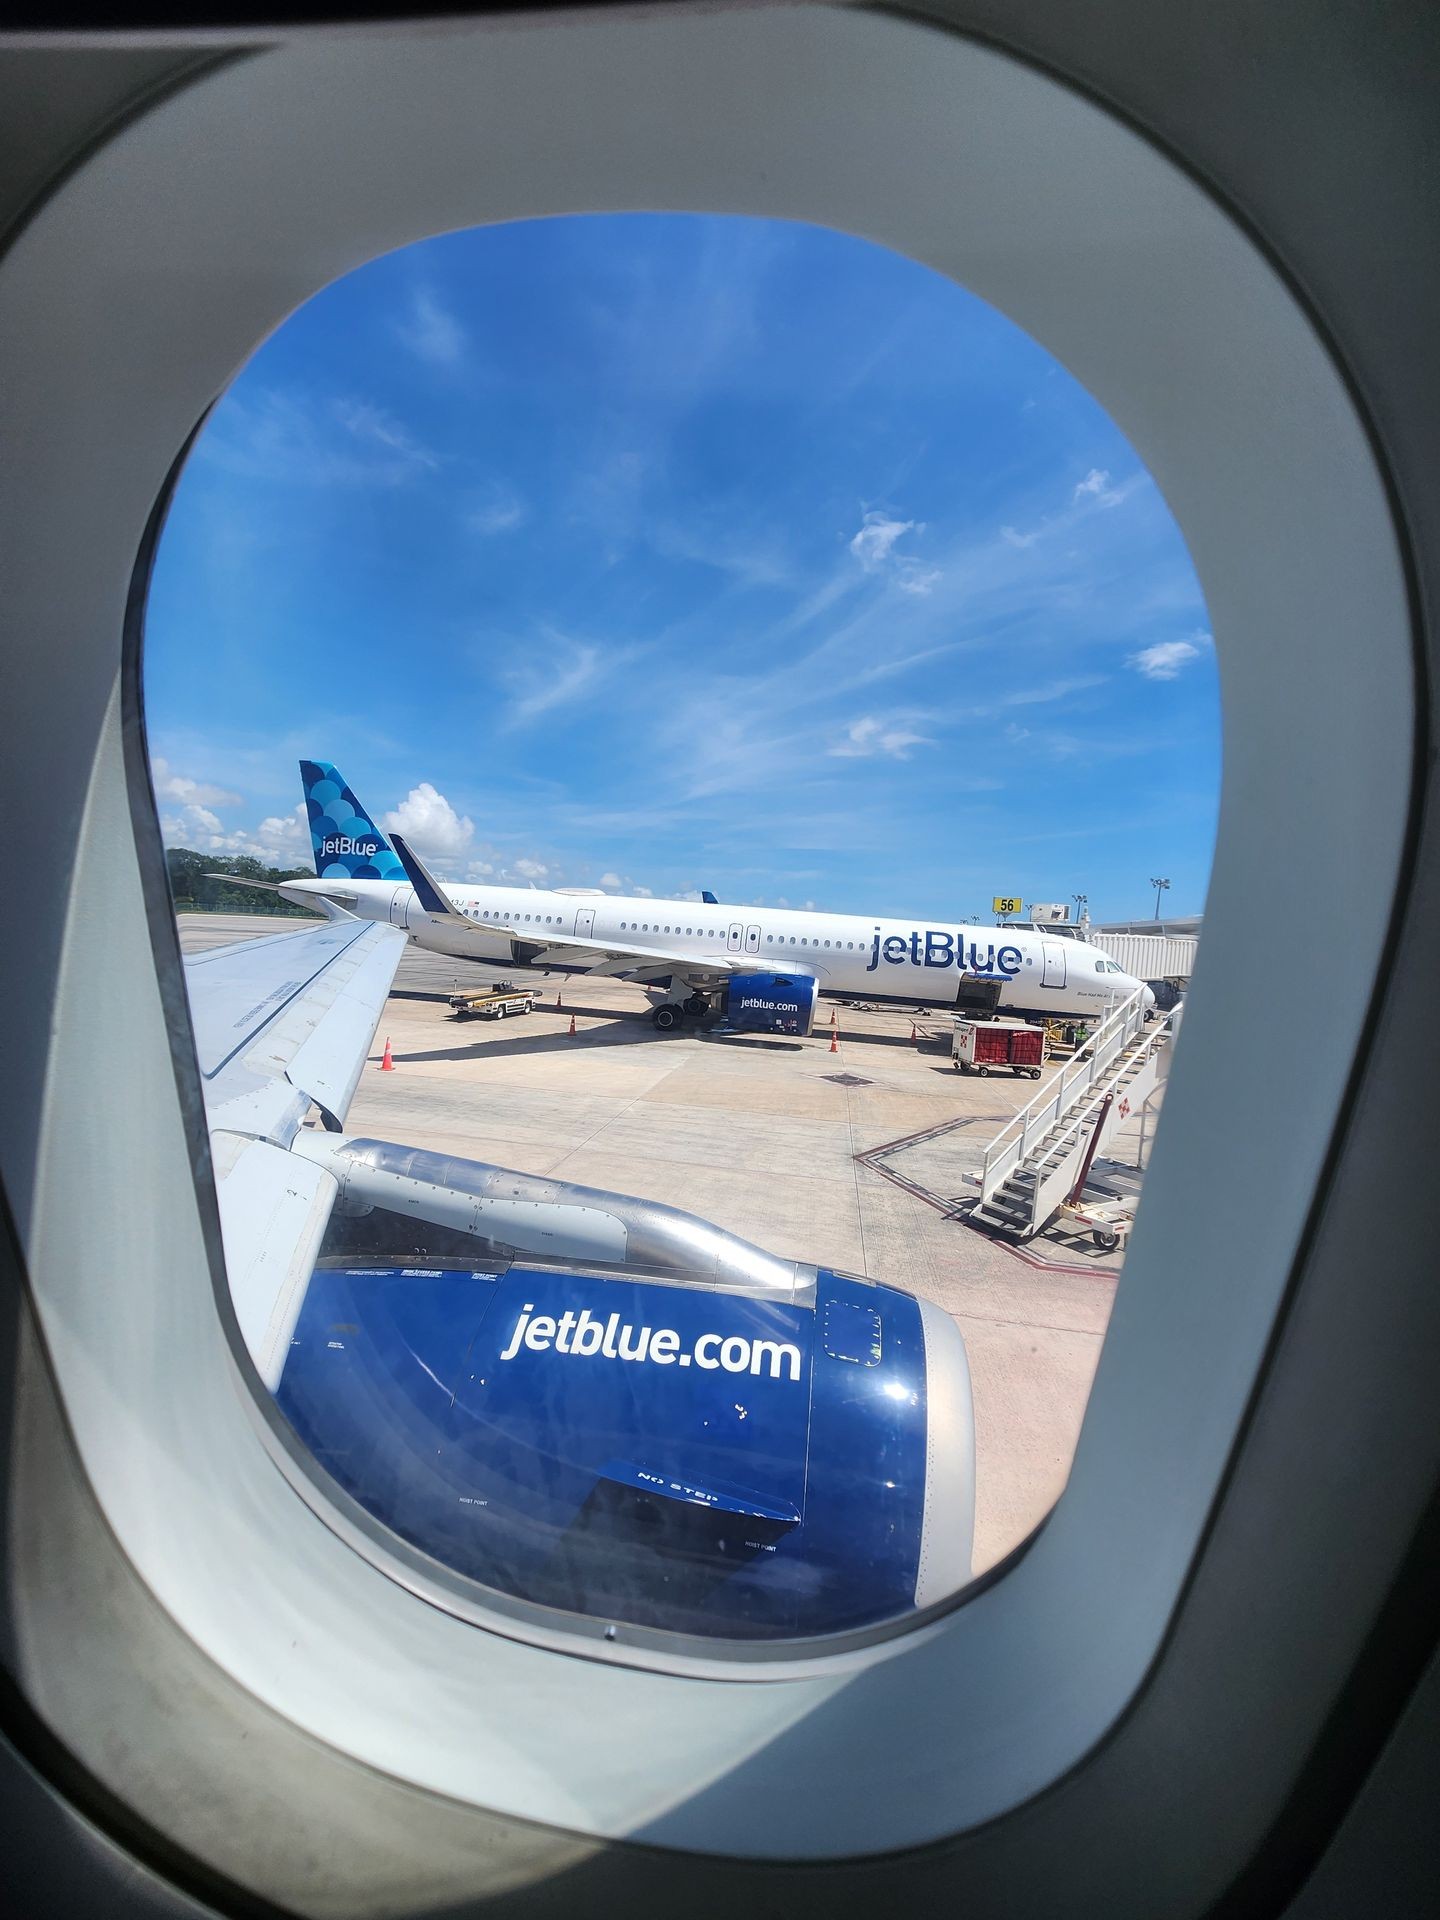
(985, 1046)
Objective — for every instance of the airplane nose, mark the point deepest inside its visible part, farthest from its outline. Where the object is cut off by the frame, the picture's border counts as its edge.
(1148, 1001)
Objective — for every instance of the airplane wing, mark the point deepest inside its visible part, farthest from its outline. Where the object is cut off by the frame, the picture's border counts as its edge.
(598, 957)
(281, 1024)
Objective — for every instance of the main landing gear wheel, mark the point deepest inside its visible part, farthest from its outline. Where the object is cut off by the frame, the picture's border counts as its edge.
(667, 1018)
(697, 1006)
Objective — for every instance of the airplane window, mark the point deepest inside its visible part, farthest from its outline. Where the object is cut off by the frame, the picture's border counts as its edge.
(550, 407)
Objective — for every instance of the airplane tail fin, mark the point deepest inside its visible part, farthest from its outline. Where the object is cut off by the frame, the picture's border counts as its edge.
(346, 842)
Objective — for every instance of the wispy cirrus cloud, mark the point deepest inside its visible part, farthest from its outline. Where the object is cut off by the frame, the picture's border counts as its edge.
(303, 439)
(499, 511)
(431, 330)
(558, 672)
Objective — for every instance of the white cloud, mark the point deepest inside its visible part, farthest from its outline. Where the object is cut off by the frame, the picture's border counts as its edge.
(431, 824)
(190, 827)
(1096, 486)
(196, 793)
(530, 869)
(480, 870)
(282, 840)
(645, 893)
(432, 331)
(872, 734)
(1013, 537)
(874, 547)
(611, 880)
(288, 834)
(1165, 659)
(914, 578)
(878, 534)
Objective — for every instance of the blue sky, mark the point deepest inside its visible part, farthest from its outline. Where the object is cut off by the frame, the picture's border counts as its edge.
(668, 552)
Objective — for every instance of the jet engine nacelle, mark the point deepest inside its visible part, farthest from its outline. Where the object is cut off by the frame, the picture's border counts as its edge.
(771, 1003)
(671, 1456)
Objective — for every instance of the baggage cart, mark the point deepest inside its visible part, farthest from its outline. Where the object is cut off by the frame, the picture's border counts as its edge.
(494, 1003)
(987, 1046)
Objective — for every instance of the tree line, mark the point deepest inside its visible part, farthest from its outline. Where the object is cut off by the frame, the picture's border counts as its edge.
(194, 890)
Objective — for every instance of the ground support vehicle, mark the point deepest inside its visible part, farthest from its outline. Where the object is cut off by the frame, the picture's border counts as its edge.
(986, 1046)
(494, 1003)
(1108, 1222)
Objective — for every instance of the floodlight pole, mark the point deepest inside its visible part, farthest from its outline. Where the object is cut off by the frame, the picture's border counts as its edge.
(1160, 887)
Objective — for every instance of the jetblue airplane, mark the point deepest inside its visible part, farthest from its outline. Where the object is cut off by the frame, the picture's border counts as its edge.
(688, 954)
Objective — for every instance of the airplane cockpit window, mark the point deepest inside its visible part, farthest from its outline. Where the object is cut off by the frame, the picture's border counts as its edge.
(554, 570)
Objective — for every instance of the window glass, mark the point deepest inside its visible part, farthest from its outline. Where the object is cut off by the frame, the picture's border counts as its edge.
(756, 559)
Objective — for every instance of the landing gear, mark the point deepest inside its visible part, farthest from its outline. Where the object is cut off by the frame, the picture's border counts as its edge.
(697, 1006)
(668, 1017)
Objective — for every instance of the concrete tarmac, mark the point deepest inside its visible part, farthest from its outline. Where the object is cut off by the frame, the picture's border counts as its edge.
(765, 1137)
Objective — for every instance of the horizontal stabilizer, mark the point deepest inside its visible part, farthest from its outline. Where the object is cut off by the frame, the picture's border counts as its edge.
(331, 906)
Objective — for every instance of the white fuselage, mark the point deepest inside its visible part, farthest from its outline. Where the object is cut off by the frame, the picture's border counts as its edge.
(910, 961)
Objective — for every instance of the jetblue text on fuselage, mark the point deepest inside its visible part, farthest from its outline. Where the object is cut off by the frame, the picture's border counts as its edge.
(936, 948)
(342, 843)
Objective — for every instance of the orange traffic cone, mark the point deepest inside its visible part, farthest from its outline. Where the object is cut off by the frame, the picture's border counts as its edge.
(834, 1016)
(913, 1034)
(572, 1025)
(834, 1040)
(387, 1065)
(557, 1000)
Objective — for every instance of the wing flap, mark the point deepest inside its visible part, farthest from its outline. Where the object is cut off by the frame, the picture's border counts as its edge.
(274, 1209)
(328, 1063)
(297, 1008)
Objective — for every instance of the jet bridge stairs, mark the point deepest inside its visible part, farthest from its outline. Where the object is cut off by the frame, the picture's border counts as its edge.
(1033, 1163)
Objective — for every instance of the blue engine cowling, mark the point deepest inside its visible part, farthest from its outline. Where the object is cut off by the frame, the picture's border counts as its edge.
(667, 1455)
(771, 1003)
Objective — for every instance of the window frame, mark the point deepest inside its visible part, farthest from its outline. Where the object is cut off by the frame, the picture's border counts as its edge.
(925, 1658)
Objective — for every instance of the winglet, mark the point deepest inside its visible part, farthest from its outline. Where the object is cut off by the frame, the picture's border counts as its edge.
(708, 897)
(427, 892)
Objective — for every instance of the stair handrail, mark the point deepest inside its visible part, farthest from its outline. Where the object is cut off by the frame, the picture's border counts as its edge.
(1041, 1113)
